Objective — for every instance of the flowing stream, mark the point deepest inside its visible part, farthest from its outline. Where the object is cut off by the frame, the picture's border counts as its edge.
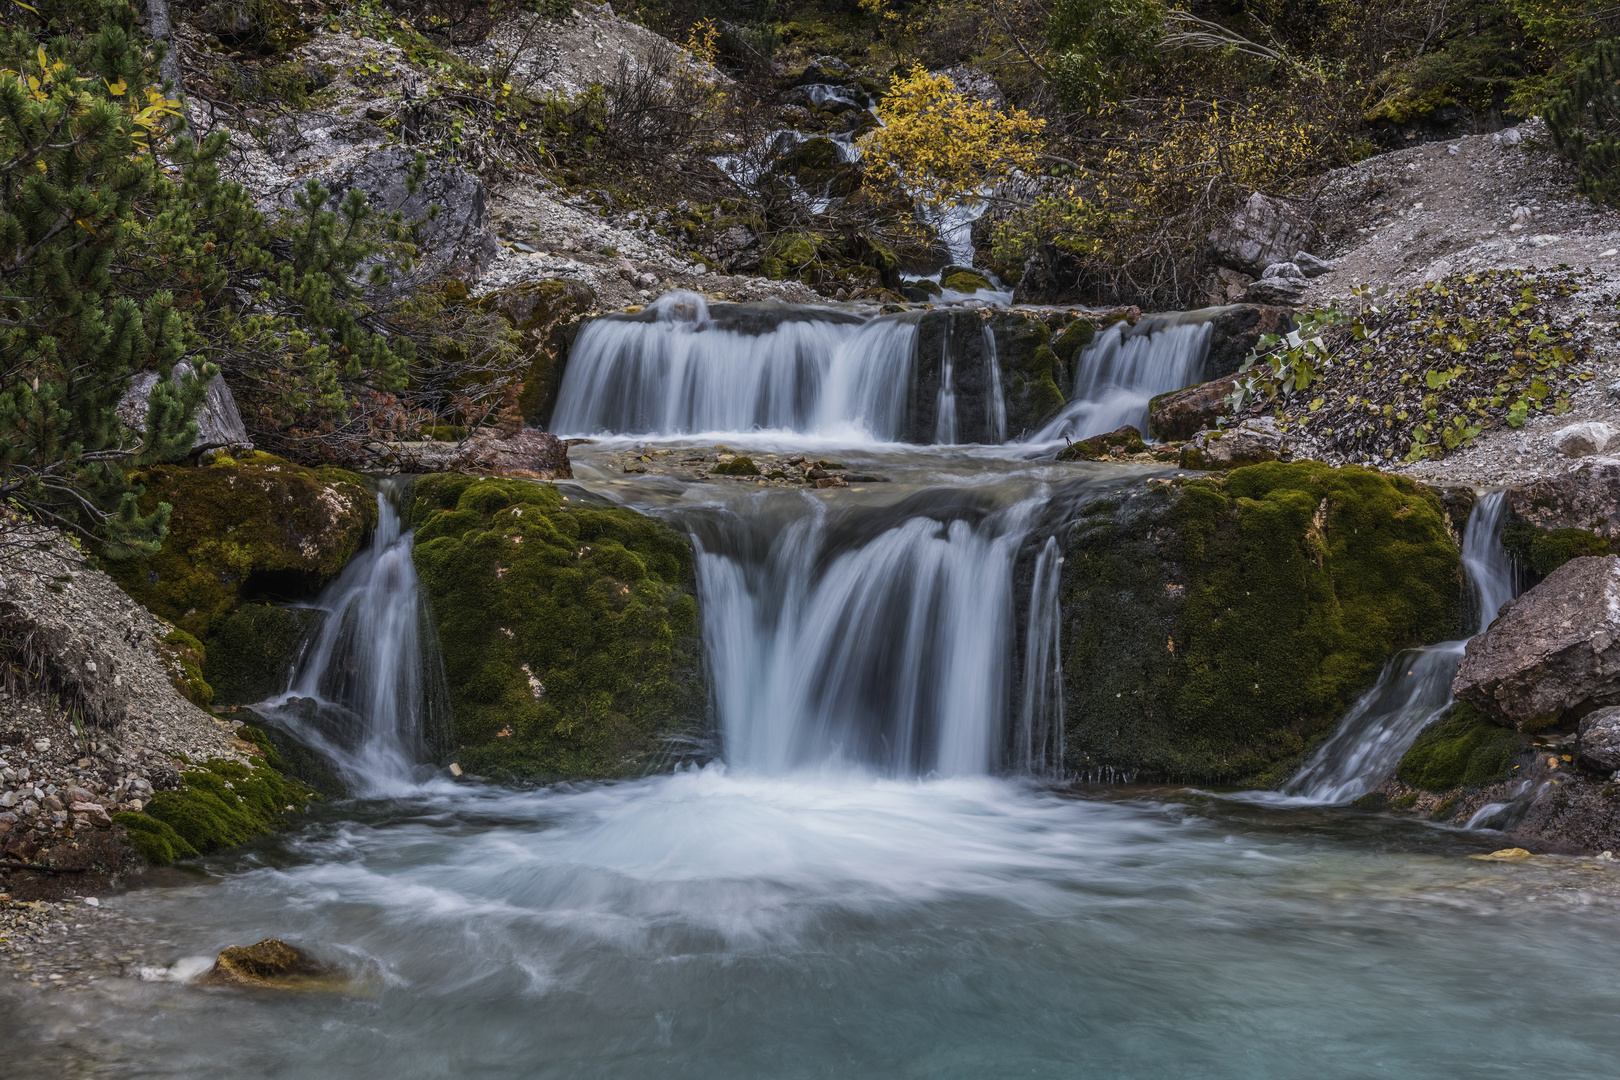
(1415, 686)
(877, 878)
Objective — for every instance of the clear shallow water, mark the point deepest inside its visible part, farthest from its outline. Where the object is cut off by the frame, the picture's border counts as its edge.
(720, 925)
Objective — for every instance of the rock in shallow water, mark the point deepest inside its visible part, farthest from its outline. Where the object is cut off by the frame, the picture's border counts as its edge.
(272, 964)
(1555, 648)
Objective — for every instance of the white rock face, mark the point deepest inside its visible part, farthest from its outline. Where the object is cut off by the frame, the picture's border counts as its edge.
(1583, 440)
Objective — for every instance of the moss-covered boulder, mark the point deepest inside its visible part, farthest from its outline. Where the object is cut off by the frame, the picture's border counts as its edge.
(1032, 376)
(1464, 749)
(1214, 629)
(255, 528)
(963, 279)
(569, 632)
(252, 654)
(1116, 443)
(1542, 551)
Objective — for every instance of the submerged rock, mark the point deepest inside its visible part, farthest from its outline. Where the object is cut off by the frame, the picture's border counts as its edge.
(272, 964)
(1553, 649)
(1213, 628)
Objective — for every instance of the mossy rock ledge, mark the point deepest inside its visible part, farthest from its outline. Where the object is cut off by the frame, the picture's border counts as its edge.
(254, 528)
(1215, 629)
(569, 632)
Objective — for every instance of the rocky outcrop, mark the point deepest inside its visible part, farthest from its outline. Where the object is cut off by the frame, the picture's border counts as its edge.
(1213, 628)
(458, 242)
(1554, 649)
(1265, 231)
(1234, 332)
(219, 423)
(1181, 414)
(244, 529)
(527, 454)
(569, 632)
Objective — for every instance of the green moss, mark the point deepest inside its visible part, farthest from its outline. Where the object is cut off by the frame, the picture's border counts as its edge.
(1214, 630)
(1462, 750)
(183, 657)
(1544, 550)
(156, 842)
(569, 632)
(1030, 370)
(243, 529)
(220, 805)
(1073, 339)
(741, 466)
(963, 280)
(252, 654)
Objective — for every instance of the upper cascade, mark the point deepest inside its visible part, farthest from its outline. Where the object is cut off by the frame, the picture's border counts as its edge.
(681, 367)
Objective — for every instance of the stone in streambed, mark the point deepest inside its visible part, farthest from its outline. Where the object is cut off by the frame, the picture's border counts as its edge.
(272, 964)
(1583, 440)
(1554, 649)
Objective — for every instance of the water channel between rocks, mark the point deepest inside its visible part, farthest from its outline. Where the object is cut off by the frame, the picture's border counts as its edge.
(876, 877)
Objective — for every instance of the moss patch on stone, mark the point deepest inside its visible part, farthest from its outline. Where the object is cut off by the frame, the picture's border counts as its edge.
(1126, 439)
(1462, 750)
(253, 652)
(546, 317)
(1213, 630)
(1545, 550)
(569, 632)
(184, 657)
(742, 466)
(257, 526)
(219, 805)
(963, 280)
(1031, 374)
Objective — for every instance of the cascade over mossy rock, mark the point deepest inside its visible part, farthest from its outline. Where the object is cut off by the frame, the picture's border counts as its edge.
(244, 529)
(569, 631)
(1213, 629)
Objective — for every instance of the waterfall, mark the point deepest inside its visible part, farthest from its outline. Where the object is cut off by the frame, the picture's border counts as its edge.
(1038, 741)
(998, 402)
(1415, 686)
(367, 685)
(1123, 369)
(874, 637)
(945, 409)
(676, 369)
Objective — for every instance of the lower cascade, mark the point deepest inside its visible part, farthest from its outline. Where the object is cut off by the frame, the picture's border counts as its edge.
(1415, 686)
(367, 687)
(879, 638)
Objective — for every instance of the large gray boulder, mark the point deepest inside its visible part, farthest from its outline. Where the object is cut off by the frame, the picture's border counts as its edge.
(1553, 649)
(1263, 232)
(219, 423)
(459, 242)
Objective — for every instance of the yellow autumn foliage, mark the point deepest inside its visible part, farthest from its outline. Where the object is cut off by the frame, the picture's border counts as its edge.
(942, 147)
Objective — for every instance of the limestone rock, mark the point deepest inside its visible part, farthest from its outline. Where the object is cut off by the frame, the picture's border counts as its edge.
(1585, 497)
(1583, 440)
(1310, 265)
(1182, 414)
(459, 242)
(529, 454)
(219, 423)
(1597, 747)
(976, 83)
(1286, 291)
(1250, 443)
(1282, 270)
(1263, 232)
(1553, 649)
